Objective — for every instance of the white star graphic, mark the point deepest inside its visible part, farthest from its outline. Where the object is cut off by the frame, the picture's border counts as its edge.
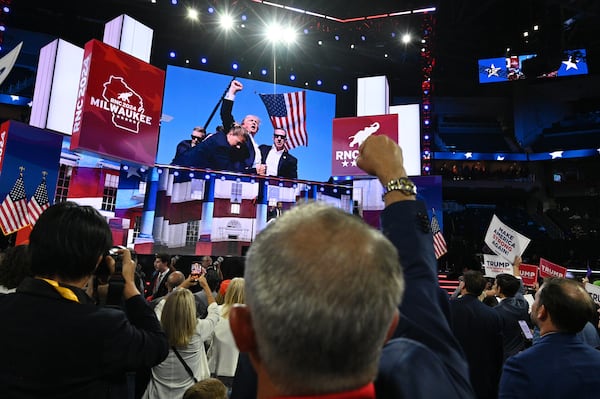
(353, 162)
(14, 98)
(345, 164)
(499, 158)
(570, 64)
(131, 171)
(492, 71)
(468, 155)
(556, 154)
(598, 150)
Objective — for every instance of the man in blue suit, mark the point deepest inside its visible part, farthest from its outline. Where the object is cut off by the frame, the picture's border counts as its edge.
(478, 328)
(248, 155)
(278, 160)
(217, 151)
(559, 364)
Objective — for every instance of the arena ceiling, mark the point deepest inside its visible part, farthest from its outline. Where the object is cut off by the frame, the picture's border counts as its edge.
(462, 32)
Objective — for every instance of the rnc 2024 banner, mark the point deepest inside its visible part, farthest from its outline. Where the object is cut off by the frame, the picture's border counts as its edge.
(118, 105)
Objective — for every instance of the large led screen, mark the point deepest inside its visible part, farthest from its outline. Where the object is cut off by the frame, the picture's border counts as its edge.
(504, 69)
(191, 96)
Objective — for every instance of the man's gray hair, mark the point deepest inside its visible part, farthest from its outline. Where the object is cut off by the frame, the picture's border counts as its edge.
(322, 286)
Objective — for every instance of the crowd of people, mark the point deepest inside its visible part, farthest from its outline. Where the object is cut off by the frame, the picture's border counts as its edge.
(234, 148)
(328, 307)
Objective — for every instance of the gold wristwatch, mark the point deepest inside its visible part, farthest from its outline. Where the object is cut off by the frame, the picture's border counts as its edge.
(402, 184)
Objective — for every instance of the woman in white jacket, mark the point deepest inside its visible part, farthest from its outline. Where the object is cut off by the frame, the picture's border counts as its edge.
(223, 352)
(186, 335)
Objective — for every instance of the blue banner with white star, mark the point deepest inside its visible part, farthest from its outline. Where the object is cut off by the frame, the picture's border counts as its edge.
(504, 69)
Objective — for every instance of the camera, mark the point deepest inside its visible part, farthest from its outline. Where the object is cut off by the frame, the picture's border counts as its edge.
(114, 280)
(102, 272)
(114, 253)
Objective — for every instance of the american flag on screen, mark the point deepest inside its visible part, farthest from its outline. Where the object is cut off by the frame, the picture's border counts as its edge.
(288, 111)
(39, 202)
(439, 243)
(13, 210)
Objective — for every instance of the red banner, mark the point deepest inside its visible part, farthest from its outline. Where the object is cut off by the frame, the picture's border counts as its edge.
(118, 106)
(529, 274)
(549, 269)
(348, 135)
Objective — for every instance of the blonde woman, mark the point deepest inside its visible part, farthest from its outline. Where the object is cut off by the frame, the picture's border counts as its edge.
(186, 335)
(223, 353)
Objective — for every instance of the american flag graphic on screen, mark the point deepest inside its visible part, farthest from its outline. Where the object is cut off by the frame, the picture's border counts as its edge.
(288, 111)
(39, 202)
(439, 243)
(13, 210)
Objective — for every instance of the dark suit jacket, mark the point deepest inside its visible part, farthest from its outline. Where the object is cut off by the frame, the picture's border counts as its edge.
(62, 349)
(212, 153)
(424, 360)
(288, 164)
(558, 365)
(478, 329)
(244, 157)
(162, 287)
(182, 147)
(512, 310)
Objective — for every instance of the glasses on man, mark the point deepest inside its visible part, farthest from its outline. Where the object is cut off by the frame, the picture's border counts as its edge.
(280, 136)
(196, 138)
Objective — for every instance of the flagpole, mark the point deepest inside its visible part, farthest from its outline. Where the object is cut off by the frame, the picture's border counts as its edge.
(218, 104)
(274, 70)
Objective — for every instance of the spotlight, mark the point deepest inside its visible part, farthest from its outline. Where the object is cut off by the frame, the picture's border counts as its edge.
(234, 66)
(319, 82)
(226, 21)
(263, 72)
(320, 42)
(337, 37)
(292, 77)
(172, 54)
(193, 14)
(211, 10)
(345, 87)
(203, 60)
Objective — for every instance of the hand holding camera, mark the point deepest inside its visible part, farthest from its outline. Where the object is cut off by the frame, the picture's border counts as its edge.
(122, 266)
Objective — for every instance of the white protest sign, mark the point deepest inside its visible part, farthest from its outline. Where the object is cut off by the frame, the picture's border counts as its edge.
(494, 265)
(505, 241)
(594, 291)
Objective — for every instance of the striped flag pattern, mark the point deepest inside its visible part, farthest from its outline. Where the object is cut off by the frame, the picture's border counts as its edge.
(38, 203)
(439, 243)
(288, 111)
(13, 210)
